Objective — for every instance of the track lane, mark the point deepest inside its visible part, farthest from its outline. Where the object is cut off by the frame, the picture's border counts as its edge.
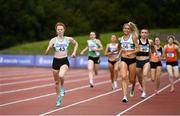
(108, 104)
(48, 103)
(9, 98)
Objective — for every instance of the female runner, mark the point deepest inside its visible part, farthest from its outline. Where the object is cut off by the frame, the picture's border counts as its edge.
(60, 63)
(155, 62)
(94, 47)
(170, 53)
(129, 47)
(113, 60)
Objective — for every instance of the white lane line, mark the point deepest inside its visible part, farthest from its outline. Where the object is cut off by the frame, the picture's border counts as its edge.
(46, 95)
(83, 101)
(19, 74)
(34, 80)
(121, 113)
(77, 103)
(45, 85)
(25, 89)
(29, 75)
(47, 78)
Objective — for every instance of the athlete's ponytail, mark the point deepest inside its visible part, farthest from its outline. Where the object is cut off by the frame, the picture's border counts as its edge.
(134, 29)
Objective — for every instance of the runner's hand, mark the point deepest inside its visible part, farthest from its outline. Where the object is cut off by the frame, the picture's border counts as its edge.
(73, 55)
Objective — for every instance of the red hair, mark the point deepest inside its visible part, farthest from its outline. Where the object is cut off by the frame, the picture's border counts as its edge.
(60, 24)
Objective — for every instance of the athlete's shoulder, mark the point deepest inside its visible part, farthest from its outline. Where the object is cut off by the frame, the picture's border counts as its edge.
(53, 39)
(150, 41)
(176, 46)
(67, 37)
(108, 44)
(165, 46)
(139, 40)
(133, 36)
(96, 40)
(161, 47)
(120, 38)
(88, 40)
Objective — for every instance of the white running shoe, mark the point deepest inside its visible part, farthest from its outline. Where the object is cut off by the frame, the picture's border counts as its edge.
(125, 100)
(143, 95)
(113, 88)
(91, 83)
(115, 84)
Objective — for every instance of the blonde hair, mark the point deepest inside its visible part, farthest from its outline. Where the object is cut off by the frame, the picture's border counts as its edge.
(133, 28)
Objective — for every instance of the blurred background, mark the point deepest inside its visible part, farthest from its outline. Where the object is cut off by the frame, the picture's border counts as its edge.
(26, 26)
(25, 21)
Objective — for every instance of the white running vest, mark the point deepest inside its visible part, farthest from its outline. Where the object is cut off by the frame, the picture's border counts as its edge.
(92, 44)
(61, 46)
(127, 44)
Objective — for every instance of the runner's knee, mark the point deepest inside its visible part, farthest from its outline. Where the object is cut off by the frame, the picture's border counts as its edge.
(116, 70)
(61, 75)
(56, 82)
(124, 77)
(131, 80)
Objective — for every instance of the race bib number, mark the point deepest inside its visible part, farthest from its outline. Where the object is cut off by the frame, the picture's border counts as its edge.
(144, 48)
(61, 47)
(91, 47)
(110, 49)
(170, 54)
(127, 46)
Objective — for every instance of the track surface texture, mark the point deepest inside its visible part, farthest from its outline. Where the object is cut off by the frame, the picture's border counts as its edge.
(30, 91)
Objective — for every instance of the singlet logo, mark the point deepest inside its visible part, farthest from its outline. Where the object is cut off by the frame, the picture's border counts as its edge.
(170, 54)
(91, 45)
(61, 47)
(127, 46)
(144, 48)
(113, 49)
(157, 53)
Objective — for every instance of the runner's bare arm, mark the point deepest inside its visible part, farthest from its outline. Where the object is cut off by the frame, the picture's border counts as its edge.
(177, 45)
(100, 46)
(164, 56)
(135, 40)
(106, 50)
(73, 41)
(84, 50)
(49, 47)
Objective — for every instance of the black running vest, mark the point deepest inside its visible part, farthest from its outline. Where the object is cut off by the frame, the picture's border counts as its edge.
(144, 48)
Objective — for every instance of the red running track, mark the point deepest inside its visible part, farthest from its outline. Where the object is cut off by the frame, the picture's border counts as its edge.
(30, 91)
